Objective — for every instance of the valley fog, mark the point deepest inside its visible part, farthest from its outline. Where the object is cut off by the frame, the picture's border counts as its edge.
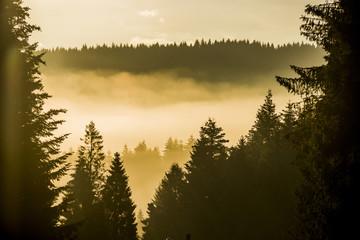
(128, 109)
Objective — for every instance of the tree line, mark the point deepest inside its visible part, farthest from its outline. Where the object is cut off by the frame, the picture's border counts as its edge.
(245, 191)
(205, 61)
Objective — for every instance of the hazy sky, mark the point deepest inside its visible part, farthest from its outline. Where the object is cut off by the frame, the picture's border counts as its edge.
(71, 23)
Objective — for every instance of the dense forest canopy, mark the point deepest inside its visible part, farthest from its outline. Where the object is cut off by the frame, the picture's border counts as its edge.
(219, 61)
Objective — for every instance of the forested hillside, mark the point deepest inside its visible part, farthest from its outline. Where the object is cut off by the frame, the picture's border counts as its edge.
(219, 61)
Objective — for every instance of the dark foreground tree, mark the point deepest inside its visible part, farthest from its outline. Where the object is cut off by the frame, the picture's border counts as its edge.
(118, 205)
(30, 158)
(83, 195)
(260, 179)
(328, 136)
(163, 212)
(202, 196)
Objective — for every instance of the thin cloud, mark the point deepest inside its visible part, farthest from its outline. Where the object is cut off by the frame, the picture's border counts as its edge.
(148, 13)
(148, 41)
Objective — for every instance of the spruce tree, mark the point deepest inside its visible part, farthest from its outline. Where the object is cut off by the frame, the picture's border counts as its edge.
(175, 152)
(209, 149)
(84, 190)
(260, 177)
(328, 129)
(165, 210)
(118, 205)
(263, 134)
(205, 178)
(31, 162)
(266, 123)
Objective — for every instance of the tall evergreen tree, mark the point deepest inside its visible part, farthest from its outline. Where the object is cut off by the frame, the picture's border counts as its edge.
(261, 178)
(266, 123)
(262, 135)
(165, 210)
(84, 190)
(327, 139)
(204, 177)
(118, 205)
(30, 158)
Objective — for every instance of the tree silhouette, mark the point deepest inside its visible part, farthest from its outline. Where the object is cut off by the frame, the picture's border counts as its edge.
(163, 212)
(30, 162)
(266, 126)
(84, 190)
(328, 132)
(204, 178)
(119, 208)
(175, 152)
(260, 178)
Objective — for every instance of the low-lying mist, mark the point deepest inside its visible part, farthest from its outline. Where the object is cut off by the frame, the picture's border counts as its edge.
(129, 108)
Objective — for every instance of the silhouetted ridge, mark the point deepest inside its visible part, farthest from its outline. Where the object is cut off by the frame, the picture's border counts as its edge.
(229, 61)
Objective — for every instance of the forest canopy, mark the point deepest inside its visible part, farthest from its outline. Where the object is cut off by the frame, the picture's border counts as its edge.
(232, 61)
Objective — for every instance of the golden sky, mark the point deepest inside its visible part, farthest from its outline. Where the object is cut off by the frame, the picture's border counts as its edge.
(71, 23)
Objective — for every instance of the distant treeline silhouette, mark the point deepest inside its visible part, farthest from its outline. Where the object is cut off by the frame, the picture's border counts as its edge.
(218, 61)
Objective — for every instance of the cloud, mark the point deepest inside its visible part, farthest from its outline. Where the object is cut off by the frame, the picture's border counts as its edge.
(161, 20)
(40, 46)
(148, 41)
(148, 13)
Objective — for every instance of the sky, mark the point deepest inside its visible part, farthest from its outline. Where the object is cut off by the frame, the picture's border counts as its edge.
(72, 23)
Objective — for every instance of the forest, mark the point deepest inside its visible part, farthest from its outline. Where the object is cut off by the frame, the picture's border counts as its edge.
(294, 175)
(219, 61)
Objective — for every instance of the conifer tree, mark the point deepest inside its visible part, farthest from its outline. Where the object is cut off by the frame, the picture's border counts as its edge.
(30, 160)
(84, 190)
(204, 177)
(328, 129)
(118, 205)
(261, 178)
(288, 119)
(164, 211)
(266, 123)
(264, 132)
(175, 152)
(208, 149)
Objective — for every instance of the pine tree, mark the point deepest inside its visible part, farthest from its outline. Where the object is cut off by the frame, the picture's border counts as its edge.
(260, 178)
(288, 119)
(263, 135)
(163, 212)
(119, 208)
(266, 123)
(208, 149)
(84, 190)
(328, 129)
(31, 162)
(175, 152)
(205, 178)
